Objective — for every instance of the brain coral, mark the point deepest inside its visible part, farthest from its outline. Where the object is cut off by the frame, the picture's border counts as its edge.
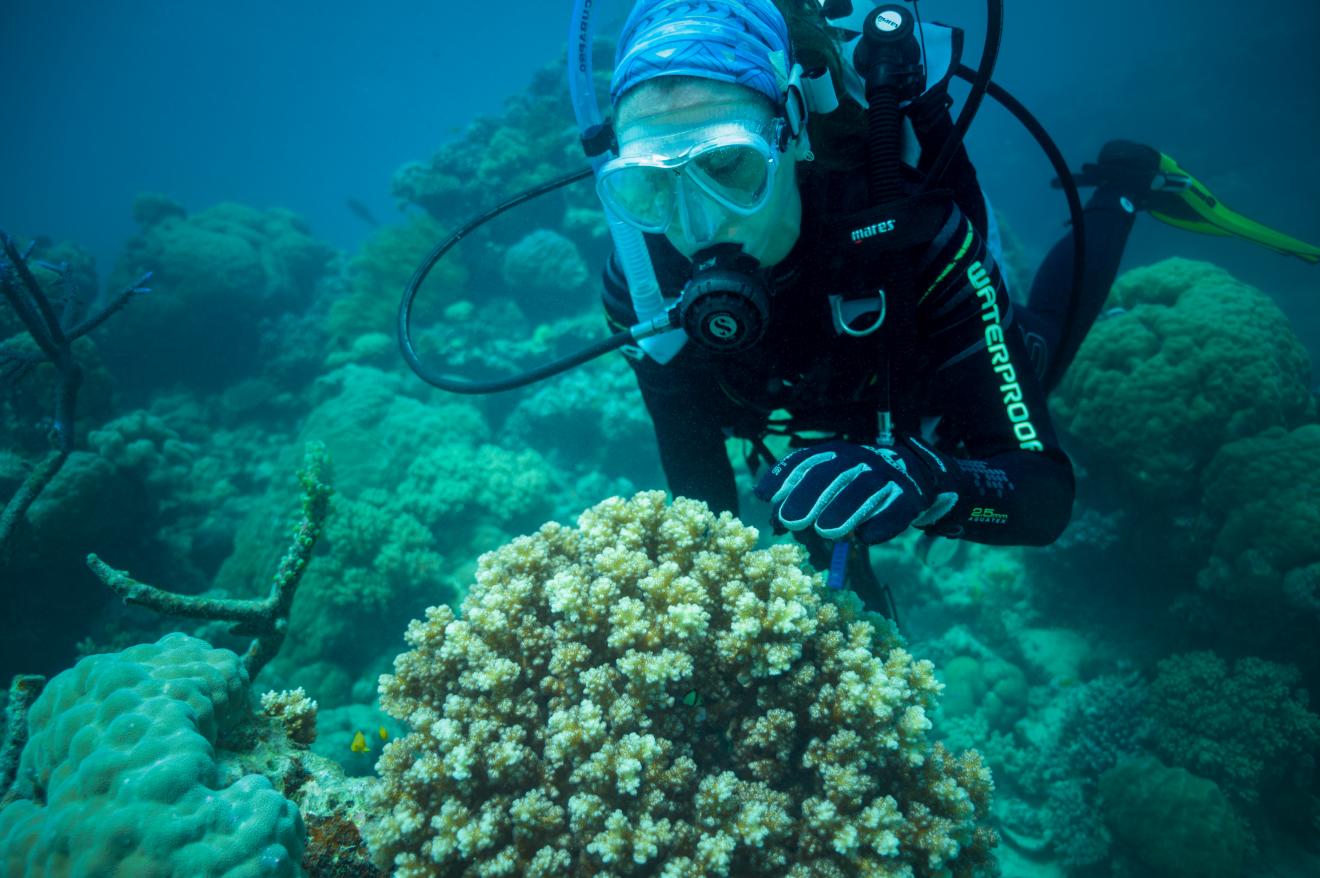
(647, 694)
(1198, 360)
(119, 776)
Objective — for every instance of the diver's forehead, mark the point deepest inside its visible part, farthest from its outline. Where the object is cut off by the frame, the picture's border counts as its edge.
(651, 111)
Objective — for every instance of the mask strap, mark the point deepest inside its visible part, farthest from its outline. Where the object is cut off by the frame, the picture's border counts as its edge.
(795, 102)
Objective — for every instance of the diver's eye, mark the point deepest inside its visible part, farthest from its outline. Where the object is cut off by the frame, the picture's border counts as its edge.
(738, 173)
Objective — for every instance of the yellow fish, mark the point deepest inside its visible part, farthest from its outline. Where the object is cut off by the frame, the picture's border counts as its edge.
(384, 735)
(359, 744)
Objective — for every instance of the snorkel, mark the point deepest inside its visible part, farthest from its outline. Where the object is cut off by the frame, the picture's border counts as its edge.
(629, 243)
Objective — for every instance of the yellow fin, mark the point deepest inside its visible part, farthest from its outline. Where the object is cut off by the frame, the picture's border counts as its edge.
(359, 744)
(384, 735)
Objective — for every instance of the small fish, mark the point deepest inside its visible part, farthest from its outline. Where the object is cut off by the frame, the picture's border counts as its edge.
(359, 744)
(384, 735)
(692, 699)
(361, 212)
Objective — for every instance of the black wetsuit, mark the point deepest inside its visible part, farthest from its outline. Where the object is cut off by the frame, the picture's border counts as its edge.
(972, 369)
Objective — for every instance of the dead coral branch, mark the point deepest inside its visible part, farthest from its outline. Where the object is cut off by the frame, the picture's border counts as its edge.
(54, 336)
(266, 620)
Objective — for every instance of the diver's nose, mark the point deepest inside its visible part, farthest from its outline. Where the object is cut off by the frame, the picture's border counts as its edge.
(699, 219)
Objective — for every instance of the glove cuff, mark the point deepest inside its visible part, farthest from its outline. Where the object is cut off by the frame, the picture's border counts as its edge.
(939, 472)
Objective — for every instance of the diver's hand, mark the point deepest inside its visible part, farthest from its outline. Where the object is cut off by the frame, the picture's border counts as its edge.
(873, 493)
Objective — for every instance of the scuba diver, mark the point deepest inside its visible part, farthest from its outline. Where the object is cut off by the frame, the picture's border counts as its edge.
(802, 249)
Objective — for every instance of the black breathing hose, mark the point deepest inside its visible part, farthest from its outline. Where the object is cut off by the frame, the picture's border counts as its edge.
(458, 385)
(1075, 212)
(994, 34)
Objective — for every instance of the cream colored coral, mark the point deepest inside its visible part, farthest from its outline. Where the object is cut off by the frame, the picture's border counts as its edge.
(649, 694)
(295, 712)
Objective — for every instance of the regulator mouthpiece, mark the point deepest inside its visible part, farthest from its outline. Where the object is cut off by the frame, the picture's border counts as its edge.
(725, 307)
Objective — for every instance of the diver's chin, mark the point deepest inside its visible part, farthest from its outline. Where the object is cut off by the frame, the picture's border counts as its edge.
(770, 249)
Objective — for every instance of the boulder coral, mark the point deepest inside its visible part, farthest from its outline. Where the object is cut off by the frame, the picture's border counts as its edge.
(1261, 512)
(1173, 823)
(216, 275)
(1197, 360)
(120, 774)
(547, 275)
(648, 694)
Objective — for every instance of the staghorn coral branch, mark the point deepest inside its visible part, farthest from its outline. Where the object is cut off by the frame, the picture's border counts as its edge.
(27, 494)
(266, 620)
(115, 305)
(22, 300)
(47, 311)
(38, 315)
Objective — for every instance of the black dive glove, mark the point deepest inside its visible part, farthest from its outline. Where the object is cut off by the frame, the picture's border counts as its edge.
(868, 492)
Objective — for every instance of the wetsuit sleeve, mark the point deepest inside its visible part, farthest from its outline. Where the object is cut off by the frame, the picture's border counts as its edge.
(1015, 485)
(680, 398)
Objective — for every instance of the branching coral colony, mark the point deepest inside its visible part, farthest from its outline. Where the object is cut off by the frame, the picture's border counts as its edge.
(649, 694)
(54, 334)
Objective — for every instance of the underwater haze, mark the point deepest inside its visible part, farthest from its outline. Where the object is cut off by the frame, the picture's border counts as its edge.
(273, 606)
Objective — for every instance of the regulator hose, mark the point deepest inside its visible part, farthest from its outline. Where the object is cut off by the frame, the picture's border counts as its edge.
(458, 385)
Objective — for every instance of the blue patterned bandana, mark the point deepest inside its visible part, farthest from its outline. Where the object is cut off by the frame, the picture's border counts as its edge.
(744, 42)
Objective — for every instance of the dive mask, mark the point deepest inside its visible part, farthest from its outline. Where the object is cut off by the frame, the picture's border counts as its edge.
(700, 176)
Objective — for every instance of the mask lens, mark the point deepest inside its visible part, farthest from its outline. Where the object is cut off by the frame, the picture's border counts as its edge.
(642, 196)
(737, 174)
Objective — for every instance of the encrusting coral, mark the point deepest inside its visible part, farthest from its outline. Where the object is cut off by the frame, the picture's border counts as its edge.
(648, 694)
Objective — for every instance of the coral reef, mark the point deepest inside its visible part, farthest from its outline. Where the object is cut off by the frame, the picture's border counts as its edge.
(264, 620)
(1198, 359)
(1173, 823)
(119, 775)
(1261, 517)
(218, 275)
(1247, 728)
(377, 274)
(590, 421)
(646, 693)
(421, 489)
(497, 157)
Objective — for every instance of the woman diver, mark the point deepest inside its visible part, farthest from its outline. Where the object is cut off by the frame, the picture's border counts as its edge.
(719, 164)
(802, 248)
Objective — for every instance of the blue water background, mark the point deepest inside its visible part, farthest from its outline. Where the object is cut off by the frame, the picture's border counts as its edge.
(306, 104)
